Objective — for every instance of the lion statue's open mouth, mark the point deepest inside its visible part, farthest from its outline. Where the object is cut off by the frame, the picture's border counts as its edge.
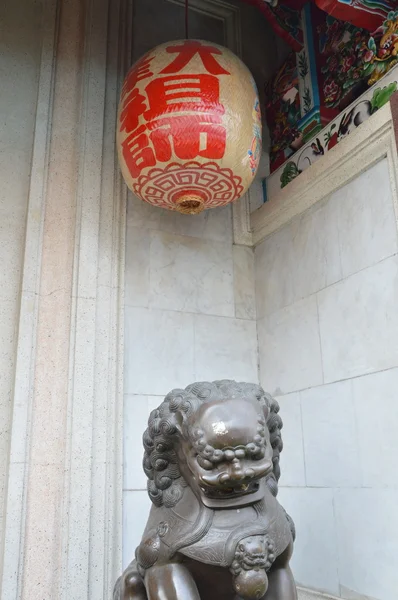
(231, 492)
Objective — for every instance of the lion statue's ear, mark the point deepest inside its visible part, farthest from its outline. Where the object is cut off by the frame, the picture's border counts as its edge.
(179, 421)
(266, 411)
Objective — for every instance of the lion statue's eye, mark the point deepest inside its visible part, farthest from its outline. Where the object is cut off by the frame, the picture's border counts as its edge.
(204, 463)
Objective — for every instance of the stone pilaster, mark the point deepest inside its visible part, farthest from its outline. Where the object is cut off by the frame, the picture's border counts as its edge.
(63, 516)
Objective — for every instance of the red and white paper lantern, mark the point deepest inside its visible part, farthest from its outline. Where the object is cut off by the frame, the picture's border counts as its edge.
(189, 127)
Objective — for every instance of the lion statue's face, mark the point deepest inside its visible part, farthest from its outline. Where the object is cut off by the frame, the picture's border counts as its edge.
(227, 452)
(214, 437)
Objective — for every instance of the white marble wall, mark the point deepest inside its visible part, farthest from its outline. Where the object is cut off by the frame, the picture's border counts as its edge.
(327, 296)
(189, 315)
(20, 35)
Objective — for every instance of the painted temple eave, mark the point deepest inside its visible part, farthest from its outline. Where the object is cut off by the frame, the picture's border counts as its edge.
(324, 141)
(366, 14)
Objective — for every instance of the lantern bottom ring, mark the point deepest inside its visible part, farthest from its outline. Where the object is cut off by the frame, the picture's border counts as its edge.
(190, 204)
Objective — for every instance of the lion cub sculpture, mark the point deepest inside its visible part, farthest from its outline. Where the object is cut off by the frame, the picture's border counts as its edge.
(216, 530)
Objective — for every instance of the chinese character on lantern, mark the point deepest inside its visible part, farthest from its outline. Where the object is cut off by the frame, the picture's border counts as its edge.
(188, 50)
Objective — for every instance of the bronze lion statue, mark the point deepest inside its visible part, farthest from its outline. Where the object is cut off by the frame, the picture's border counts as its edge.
(216, 530)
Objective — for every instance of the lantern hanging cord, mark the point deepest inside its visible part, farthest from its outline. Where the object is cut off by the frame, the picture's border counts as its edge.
(186, 19)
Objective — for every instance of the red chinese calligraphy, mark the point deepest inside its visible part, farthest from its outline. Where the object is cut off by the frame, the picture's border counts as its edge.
(187, 51)
(200, 133)
(139, 71)
(133, 108)
(189, 136)
(137, 153)
(179, 115)
(133, 103)
(183, 93)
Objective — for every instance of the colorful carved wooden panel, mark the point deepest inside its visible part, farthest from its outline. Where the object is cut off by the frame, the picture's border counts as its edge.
(344, 124)
(295, 116)
(381, 53)
(341, 51)
(283, 111)
(337, 63)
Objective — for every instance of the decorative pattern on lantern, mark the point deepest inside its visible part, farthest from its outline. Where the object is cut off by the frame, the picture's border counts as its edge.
(189, 127)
